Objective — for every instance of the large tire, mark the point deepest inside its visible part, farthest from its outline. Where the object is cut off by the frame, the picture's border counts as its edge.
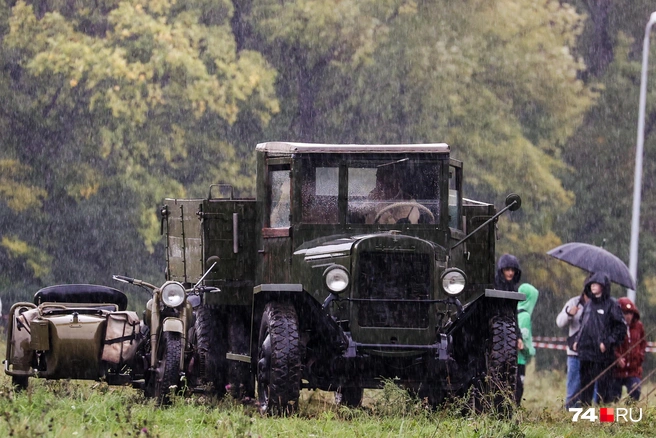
(279, 360)
(211, 350)
(20, 383)
(350, 396)
(501, 357)
(167, 370)
(431, 393)
(241, 381)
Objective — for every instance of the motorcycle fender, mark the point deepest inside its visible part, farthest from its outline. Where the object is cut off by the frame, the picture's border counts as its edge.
(173, 325)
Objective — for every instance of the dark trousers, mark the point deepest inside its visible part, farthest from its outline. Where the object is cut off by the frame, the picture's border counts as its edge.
(519, 388)
(632, 388)
(589, 372)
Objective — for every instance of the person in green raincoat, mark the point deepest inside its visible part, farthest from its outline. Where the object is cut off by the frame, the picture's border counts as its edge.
(525, 347)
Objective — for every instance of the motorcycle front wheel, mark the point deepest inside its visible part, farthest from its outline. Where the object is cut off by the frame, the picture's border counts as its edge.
(165, 378)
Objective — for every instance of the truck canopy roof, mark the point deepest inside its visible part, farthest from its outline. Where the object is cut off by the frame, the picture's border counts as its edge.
(278, 147)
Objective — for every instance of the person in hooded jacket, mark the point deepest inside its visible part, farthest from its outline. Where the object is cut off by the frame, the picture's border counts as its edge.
(525, 344)
(631, 354)
(508, 273)
(602, 330)
(570, 317)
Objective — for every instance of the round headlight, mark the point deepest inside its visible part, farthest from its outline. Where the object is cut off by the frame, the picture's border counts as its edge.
(453, 282)
(173, 294)
(337, 279)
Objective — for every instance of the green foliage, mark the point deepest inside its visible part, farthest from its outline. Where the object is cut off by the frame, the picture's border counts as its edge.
(109, 108)
(476, 86)
(343, 32)
(498, 81)
(33, 260)
(17, 195)
(602, 158)
(506, 97)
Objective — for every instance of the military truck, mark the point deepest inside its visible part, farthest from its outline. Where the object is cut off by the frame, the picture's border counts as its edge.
(353, 264)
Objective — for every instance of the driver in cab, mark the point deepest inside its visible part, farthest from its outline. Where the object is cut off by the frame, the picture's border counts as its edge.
(395, 205)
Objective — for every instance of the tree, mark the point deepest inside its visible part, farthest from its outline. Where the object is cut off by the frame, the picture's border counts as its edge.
(605, 20)
(114, 107)
(602, 152)
(496, 80)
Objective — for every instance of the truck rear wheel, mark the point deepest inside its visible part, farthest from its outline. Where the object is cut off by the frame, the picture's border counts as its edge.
(210, 349)
(279, 360)
(431, 393)
(241, 381)
(350, 396)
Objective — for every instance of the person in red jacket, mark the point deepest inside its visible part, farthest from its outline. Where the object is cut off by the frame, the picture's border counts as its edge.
(630, 354)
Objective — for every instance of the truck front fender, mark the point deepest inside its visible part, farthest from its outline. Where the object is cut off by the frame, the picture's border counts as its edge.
(263, 293)
(504, 294)
(311, 314)
(277, 288)
(491, 302)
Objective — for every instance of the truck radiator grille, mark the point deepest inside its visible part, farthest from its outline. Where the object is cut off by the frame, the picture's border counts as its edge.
(394, 276)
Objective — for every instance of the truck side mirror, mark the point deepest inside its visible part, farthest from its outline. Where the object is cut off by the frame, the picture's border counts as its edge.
(513, 202)
(211, 260)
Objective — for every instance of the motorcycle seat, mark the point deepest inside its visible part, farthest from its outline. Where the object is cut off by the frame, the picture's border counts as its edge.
(81, 293)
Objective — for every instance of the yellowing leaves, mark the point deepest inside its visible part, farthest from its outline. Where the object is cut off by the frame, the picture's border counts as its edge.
(144, 47)
(253, 79)
(83, 182)
(15, 247)
(650, 289)
(15, 191)
(38, 261)
(409, 7)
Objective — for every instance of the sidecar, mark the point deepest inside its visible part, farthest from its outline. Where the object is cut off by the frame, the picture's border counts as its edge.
(75, 331)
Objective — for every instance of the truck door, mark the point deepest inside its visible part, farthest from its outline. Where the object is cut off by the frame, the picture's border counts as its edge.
(276, 233)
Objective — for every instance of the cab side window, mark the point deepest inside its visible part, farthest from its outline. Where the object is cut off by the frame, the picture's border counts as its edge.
(319, 195)
(280, 198)
(455, 210)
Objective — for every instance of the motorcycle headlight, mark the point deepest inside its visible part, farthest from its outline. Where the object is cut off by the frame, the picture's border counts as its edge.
(453, 281)
(337, 278)
(173, 293)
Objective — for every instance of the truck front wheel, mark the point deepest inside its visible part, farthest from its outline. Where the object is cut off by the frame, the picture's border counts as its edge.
(279, 360)
(501, 355)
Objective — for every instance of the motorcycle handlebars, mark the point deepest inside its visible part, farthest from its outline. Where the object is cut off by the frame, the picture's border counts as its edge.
(197, 289)
(134, 281)
(123, 279)
(206, 289)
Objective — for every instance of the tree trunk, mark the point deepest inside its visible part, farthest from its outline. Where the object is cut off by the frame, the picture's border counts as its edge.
(600, 48)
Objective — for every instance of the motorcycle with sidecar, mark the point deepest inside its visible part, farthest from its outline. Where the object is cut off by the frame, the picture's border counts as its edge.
(84, 331)
(75, 331)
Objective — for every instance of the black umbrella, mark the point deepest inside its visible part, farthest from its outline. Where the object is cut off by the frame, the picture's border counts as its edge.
(594, 259)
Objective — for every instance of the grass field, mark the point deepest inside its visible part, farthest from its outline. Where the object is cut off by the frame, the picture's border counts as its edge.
(93, 409)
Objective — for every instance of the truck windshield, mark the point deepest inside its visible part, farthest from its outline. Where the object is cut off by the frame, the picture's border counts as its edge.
(386, 191)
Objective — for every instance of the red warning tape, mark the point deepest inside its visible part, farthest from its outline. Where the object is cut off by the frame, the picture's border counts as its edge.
(560, 343)
(550, 346)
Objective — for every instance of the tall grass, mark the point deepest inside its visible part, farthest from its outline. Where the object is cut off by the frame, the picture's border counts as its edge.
(93, 409)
